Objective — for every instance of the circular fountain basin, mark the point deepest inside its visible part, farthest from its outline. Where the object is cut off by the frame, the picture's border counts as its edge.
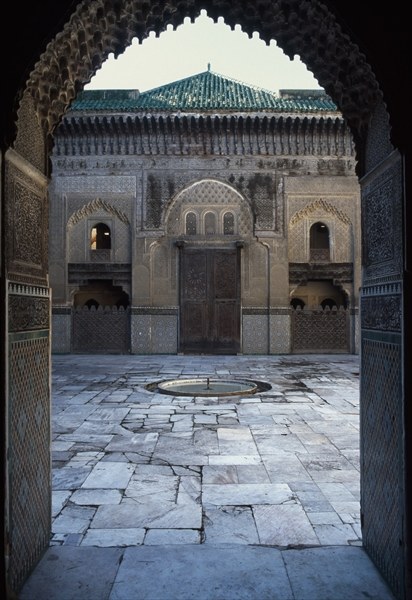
(207, 387)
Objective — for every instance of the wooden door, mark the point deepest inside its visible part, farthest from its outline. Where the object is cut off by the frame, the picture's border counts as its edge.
(210, 301)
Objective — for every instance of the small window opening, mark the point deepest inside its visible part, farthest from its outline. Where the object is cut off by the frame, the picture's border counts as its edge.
(210, 223)
(100, 238)
(319, 236)
(319, 243)
(191, 225)
(228, 223)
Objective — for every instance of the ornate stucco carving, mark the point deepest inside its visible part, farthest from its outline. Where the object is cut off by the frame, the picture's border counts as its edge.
(94, 206)
(28, 307)
(382, 313)
(323, 207)
(382, 222)
(211, 194)
(340, 229)
(30, 141)
(26, 221)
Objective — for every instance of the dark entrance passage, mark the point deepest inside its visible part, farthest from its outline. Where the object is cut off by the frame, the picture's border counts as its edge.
(210, 301)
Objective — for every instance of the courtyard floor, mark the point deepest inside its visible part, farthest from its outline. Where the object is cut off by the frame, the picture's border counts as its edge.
(168, 497)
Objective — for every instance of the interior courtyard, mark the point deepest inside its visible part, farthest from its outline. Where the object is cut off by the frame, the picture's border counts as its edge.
(56, 51)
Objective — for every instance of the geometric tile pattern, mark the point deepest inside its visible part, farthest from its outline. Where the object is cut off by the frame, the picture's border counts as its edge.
(320, 330)
(61, 326)
(164, 334)
(101, 330)
(381, 452)
(140, 334)
(154, 334)
(280, 333)
(255, 334)
(29, 452)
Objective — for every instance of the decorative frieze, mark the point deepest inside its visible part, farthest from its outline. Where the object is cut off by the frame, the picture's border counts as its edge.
(97, 205)
(248, 134)
(155, 310)
(383, 313)
(300, 273)
(27, 313)
(28, 290)
(382, 220)
(26, 220)
(324, 207)
(94, 186)
(81, 273)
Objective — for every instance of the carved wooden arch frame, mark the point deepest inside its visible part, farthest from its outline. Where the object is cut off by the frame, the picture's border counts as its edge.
(305, 27)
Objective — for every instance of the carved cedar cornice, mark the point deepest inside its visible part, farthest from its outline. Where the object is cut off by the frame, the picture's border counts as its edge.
(203, 134)
(100, 27)
(339, 273)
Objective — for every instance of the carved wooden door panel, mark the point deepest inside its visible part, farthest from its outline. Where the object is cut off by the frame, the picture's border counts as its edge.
(210, 301)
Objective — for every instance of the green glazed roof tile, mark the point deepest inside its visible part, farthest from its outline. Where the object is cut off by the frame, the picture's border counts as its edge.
(204, 91)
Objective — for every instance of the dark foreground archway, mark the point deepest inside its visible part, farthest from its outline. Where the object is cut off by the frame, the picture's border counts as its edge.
(42, 83)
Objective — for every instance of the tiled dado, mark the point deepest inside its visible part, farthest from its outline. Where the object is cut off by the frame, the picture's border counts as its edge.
(154, 330)
(266, 331)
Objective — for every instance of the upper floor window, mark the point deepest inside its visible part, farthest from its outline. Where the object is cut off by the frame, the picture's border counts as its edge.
(191, 224)
(210, 223)
(319, 242)
(100, 238)
(228, 223)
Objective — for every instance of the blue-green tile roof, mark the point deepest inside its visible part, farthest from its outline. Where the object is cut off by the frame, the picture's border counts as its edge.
(204, 91)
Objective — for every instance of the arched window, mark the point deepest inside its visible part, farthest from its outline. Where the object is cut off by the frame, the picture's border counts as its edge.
(100, 238)
(328, 303)
(319, 242)
(191, 225)
(297, 303)
(228, 223)
(210, 223)
(92, 303)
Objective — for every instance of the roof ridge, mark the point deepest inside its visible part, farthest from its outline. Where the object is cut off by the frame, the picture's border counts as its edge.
(207, 90)
(214, 74)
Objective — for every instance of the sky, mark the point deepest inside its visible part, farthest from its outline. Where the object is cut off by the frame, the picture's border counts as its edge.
(190, 48)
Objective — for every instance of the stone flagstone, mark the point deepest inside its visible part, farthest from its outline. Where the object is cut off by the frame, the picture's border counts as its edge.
(109, 475)
(246, 494)
(278, 468)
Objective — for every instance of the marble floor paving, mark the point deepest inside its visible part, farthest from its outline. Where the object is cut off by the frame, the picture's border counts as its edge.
(276, 469)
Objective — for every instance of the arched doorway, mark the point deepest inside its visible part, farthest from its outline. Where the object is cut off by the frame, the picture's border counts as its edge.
(313, 31)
